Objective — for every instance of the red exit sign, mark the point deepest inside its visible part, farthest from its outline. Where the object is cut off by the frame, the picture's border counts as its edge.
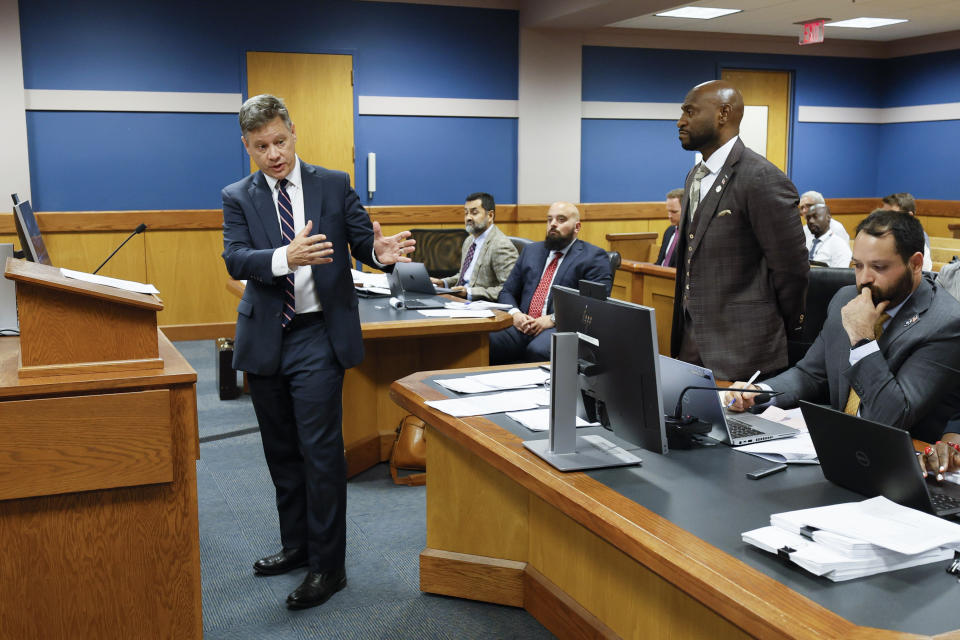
(812, 32)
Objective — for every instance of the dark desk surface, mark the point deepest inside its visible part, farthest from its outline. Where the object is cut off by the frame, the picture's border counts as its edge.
(706, 492)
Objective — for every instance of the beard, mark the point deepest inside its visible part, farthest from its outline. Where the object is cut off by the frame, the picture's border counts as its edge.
(896, 293)
(475, 229)
(556, 241)
(697, 140)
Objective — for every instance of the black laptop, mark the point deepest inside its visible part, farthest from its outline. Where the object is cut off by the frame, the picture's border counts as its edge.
(410, 282)
(874, 459)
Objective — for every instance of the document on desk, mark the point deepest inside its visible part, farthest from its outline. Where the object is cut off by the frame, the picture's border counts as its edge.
(792, 418)
(370, 280)
(794, 450)
(476, 304)
(878, 521)
(457, 313)
(116, 283)
(539, 419)
(492, 403)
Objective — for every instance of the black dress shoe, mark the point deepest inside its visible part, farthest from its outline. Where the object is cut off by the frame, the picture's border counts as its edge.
(317, 589)
(286, 560)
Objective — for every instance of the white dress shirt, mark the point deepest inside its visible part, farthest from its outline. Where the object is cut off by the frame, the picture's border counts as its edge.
(714, 163)
(831, 249)
(546, 263)
(477, 245)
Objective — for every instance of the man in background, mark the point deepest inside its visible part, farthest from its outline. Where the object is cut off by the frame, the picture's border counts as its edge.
(823, 243)
(487, 255)
(905, 202)
(560, 259)
(742, 268)
(812, 198)
(668, 247)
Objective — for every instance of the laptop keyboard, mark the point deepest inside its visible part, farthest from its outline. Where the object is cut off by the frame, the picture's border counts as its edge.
(942, 502)
(740, 429)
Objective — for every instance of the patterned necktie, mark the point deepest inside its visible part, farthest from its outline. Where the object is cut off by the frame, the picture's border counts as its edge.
(853, 400)
(466, 264)
(813, 247)
(285, 210)
(670, 248)
(540, 295)
(695, 188)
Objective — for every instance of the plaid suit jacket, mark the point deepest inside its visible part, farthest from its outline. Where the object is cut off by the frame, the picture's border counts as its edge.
(742, 268)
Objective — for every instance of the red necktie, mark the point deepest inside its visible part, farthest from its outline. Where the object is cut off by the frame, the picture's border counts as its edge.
(540, 295)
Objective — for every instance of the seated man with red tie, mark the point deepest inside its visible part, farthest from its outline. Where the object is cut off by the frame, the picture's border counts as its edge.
(668, 248)
(889, 350)
(560, 259)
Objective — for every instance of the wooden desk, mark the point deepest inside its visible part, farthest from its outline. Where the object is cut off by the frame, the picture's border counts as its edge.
(397, 343)
(652, 286)
(587, 561)
(98, 502)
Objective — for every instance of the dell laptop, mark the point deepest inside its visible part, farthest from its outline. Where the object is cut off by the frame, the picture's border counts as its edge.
(733, 428)
(874, 459)
(410, 282)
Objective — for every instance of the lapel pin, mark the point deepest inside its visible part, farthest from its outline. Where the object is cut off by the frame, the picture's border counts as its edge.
(911, 320)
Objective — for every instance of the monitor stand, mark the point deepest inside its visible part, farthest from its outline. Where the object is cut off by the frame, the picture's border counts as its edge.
(564, 450)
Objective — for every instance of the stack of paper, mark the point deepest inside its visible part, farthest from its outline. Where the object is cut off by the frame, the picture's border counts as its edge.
(493, 403)
(500, 381)
(855, 539)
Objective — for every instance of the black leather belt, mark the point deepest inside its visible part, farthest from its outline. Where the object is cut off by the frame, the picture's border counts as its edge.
(305, 320)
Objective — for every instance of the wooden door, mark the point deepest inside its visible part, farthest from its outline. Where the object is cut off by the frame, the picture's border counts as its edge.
(318, 91)
(772, 90)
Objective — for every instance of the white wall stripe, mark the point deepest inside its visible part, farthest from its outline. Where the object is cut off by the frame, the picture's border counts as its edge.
(160, 101)
(630, 110)
(448, 107)
(889, 115)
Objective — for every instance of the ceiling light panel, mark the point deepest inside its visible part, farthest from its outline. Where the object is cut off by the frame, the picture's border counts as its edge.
(865, 23)
(698, 13)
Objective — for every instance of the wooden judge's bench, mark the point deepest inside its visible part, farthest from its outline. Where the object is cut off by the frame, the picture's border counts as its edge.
(98, 443)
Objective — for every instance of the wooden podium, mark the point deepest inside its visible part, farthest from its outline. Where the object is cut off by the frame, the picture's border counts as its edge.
(98, 443)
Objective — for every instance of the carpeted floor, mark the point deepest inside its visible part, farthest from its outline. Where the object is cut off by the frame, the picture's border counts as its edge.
(386, 531)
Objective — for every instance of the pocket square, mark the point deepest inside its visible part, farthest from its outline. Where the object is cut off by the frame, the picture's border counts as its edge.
(725, 212)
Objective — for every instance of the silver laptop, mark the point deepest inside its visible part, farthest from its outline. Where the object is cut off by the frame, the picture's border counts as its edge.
(410, 282)
(8, 297)
(733, 428)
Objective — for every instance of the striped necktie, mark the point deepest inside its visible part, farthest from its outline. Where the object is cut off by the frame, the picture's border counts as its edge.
(466, 264)
(543, 289)
(285, 211)
(853, 400)
(695, 189)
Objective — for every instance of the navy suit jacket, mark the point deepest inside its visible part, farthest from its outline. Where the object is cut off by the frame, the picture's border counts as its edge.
(584, 261)
(667, 236)
(251, 233)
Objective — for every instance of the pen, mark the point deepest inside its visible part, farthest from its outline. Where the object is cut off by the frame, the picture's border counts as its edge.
(749, 382)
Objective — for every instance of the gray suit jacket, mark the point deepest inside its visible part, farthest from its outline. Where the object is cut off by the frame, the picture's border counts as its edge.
(491, 266)
(742, 267)
(912, 383)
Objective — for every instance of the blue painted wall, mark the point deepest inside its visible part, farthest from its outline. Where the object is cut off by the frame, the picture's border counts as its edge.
(177, 45)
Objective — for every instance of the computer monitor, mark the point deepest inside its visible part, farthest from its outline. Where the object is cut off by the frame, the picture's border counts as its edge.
(619, 375)
(31, 242)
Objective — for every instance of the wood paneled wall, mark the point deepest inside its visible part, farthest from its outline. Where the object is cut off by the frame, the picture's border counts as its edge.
(180, 251)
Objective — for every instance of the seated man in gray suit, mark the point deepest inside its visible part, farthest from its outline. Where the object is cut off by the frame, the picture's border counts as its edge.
(889, 350)
(561, 259)
(487, 257)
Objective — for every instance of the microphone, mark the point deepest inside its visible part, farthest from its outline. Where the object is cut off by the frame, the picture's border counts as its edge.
(140, 229)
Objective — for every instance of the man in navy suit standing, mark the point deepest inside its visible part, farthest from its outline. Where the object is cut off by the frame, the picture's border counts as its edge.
(289, 230)
(560, 259)
(668, 247)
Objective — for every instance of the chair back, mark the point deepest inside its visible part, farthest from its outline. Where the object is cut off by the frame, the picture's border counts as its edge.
(823, 283)
(439, 250)
(615, 261)
(519, 243)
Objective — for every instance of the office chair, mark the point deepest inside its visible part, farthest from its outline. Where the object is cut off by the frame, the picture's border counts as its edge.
(823, 283)
(519, 243)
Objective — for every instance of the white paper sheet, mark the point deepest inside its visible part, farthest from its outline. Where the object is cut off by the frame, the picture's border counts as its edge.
(116, 283)
(457, 313)
(476, 304)
(378, 280)
(539, 419)
(795, 450)
(492, 403)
